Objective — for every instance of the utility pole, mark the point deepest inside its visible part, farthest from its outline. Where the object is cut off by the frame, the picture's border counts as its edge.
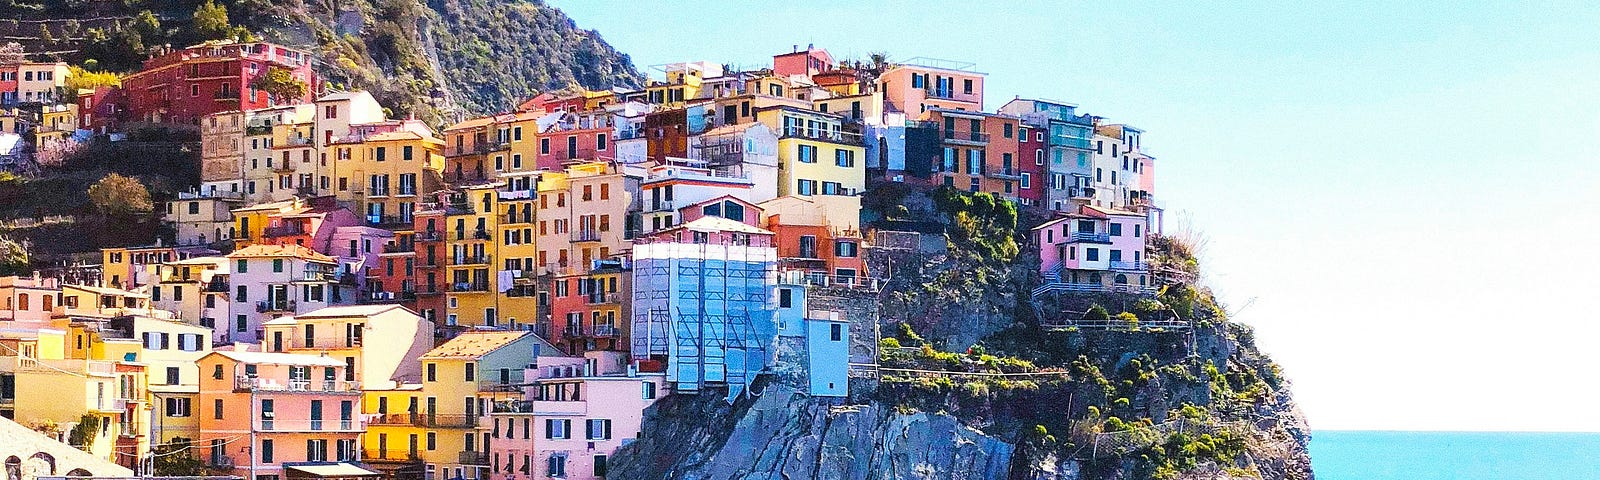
(251, 420)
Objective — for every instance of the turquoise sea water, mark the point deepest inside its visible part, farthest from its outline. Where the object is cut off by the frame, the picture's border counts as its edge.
(1352, 455)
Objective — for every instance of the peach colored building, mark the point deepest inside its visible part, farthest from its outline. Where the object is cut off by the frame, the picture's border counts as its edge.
(1094, 249)
(919, 84)
(266, 416)
(26, 302)
(577, 412)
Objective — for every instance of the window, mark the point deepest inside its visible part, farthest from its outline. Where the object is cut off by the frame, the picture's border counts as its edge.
(1027, 181)
(178, 407)
(807, 153)
(266, 450)
(836, 332)
(556, 466)
(600, 466)
(1116, 229)
(544, 146)
(1091, 254)
(1006, 130)
(806, 187)
(555, 429)
(317, 450)
(647, 390)
(966, 87)
(844, 249)
(470, 372)
(844, 158)
(598, 429)
(277, 265)
(216, 408)
(173, 375)
(241, 266)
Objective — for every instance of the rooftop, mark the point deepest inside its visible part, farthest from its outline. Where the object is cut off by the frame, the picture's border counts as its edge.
(292, 251)
(474, 344)
(259, 358)
(350, 311)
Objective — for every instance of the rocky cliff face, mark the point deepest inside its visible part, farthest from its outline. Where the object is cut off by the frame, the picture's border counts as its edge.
(783, 434)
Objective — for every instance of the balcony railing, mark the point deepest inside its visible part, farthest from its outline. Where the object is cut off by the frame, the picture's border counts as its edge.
(966, 136)
(796, 131)
(398, 248)
(586, 235)
(606, 331)
(283, 231)
(1123, 265)
(1011, 173)
(428, 289)
(246, 383)
(471, 259)
(222, 462)
(309, 425)
(1080, 192)
(429, 235)
(217, 285)
(275, 306)
(395, 455)
(603, 298)
(473, 458)
(389, 221)
(1090, 237)
(482, 235)
(469, 287)
(445, 421)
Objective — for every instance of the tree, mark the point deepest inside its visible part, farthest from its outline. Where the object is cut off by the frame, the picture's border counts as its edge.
(169, 462)
(280, 85)
(14, 258)
(211, 22)
(83, 78)
(12, 53)
(117, 195)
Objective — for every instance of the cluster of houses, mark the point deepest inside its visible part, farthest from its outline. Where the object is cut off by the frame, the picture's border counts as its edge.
(351, 295)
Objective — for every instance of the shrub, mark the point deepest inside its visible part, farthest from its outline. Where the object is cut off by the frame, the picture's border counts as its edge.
(889, 343)
(1129, 320)
(1096, 312)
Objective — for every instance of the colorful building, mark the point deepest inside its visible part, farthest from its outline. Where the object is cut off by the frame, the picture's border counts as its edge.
(271, 281)
(701, 295)
(538, 436)
(1068, 144)
(1094, 249)
(460, 380)
(916, 85)
(203, 218)
(379, 344)
(189, 83)
(818, 237)
(816, 156)
(294, 408)
(195, 290)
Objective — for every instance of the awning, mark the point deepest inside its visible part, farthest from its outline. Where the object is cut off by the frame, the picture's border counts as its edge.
(333, 470)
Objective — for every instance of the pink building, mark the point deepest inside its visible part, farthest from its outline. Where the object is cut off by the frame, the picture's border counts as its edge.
(305, 418)
(578, 411)
(808, 62)
(27, 302)
(576, 138)
(1094, 249)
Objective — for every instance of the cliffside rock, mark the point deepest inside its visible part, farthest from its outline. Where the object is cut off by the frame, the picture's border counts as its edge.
(786, 435)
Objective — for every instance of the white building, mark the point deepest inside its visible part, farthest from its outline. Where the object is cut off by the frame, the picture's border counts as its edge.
(270, 281)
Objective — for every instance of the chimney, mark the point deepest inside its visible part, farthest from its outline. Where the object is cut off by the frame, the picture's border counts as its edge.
(795, 49)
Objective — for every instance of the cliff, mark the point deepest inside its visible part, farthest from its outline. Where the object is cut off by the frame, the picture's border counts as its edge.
(432, 58)
(976, 380)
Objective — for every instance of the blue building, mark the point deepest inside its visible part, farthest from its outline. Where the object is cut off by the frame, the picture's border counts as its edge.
(1070, 137)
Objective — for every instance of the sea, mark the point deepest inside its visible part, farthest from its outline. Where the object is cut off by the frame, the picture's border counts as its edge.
(1363, 455)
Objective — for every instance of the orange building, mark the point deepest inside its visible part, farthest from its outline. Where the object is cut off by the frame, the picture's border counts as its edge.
(298, 410)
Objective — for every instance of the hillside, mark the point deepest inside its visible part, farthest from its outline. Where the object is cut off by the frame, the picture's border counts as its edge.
(434, 59)
(972, 382)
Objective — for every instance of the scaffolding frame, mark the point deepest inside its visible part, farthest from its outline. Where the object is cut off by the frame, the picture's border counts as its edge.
(700, 312)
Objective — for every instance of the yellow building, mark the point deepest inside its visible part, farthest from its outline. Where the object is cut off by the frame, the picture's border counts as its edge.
(195, 290)
(516, 295)
(460, 380)
(251, 221)
(100, 406)
(815, 156)
(382, 176)
(264, 131)
(470, 244)
(396, 439)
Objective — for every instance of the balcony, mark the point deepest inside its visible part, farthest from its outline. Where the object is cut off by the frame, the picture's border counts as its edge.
(585, 236)
(283, 231)
(482, 235)
(221, 462)
(282, 168)
(445, 421)
(389, 222)
(246, 383)
(473, 458)
(218, 284)
(487, 147)
(275, 306)
(1009, 173)
(1090, 237)
(967, 137)
(1122, 265)
(429, 236)
(606, 331)
(603, 298)
(297, 142)
(795, 131)
(398, 248)
(1080, 192)
(309, 425)
(470, 286)
(390, 455)
(471, 259)
(225, 95)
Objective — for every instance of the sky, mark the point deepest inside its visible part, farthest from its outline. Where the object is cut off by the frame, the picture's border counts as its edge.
(1400, 197)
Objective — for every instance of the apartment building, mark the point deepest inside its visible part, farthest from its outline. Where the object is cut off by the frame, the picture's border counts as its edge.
(186, 84)
(303, 419)
(271, 281)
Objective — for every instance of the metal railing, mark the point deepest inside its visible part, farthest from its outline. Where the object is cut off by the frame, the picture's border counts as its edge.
(469, 287)
(295, 385)
(471, 259)
(600, 298)
(586, 235)
(966, 136)
(1124, 265)
(275, 306)
(473, 458)
(1090, 237)
(310, 425)
(796, 131)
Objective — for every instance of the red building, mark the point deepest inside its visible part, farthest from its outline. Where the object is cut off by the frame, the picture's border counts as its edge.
(808, 62)
(101, 110)
(1032, 149)
(184, 85)
(576, 138)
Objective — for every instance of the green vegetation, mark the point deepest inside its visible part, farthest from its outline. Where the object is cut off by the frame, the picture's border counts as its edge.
(177, 458)
(279, 84)
(116, 195)
(14, 258)
(85, 79)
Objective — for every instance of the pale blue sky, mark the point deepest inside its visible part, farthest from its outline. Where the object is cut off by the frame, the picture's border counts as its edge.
(1399, 196)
